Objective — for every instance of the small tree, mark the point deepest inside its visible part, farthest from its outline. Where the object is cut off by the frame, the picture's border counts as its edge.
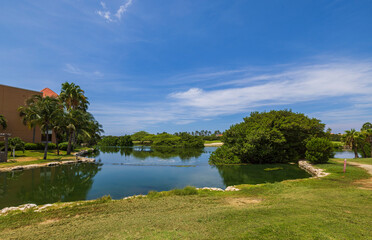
(16, 143)
(319, 150)
(3, 122)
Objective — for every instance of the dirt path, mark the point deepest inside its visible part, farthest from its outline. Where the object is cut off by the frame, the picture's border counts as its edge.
(365, 183)
(219, 144)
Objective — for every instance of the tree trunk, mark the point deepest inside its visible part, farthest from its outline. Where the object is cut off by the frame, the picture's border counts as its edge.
(356, 152)
(69, 143)
(13, 152)
(57, 146)
(33, 135)
(46, 143)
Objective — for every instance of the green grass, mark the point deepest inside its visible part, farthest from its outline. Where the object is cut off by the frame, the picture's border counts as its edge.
(358, 160)
(328, 208)
(213, 141)
(34, 157)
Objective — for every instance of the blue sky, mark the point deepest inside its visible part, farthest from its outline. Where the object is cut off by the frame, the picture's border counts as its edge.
(186, 65)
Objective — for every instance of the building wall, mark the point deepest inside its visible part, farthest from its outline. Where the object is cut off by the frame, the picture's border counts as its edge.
(11, 99)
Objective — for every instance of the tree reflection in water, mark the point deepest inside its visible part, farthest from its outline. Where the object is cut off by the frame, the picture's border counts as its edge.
(256, 174)
(143, 152)
(47, 184)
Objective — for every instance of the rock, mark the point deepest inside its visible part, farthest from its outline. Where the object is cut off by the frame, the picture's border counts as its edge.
(43, 207)
(210, 189)
(315, 172)
(53, 164)
(17, 168)
(232, 188)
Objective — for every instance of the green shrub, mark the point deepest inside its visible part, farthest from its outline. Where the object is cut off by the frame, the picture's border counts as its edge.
(319, 150)
(39, 146)
(121, 141)
(63, 146)
(223, 155)
(189, 190)
(269, 137)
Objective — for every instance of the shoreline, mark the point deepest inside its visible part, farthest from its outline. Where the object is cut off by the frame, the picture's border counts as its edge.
(78, 155)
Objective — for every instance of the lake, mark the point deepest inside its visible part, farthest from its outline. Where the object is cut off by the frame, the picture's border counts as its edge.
(121, 172)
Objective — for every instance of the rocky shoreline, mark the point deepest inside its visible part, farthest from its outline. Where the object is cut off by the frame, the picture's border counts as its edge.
(308, 167)
(36, 208)
(78, 155)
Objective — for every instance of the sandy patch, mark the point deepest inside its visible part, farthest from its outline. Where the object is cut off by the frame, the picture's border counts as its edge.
(49, 221)
(239, 202)
(213, 144)
(364, 183)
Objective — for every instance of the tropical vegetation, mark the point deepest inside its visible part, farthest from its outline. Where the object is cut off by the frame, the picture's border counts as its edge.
(268, 137)
(3, 122)
(16, 143)
(66, 116)
(319, 150)
(121, 141)
(359, 142)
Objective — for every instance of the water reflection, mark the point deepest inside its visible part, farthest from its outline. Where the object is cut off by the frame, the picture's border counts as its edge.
(123, 172)
(47, 184)
(255, 174)
(144, 152)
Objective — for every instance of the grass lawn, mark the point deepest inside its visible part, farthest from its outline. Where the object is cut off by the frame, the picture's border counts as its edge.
(357, 160)
(35, 157)
(329, 208)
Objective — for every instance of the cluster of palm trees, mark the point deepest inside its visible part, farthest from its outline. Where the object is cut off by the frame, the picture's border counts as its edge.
(66, 116)
(359, 141)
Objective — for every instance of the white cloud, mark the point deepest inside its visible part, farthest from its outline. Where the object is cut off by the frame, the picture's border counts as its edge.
(77, 71)
(106, 14)
(344, 86)
(305, 83)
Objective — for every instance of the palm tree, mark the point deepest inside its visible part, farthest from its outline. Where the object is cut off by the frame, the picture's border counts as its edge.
(41, 111)
(366, 126)
(75, 102)
(368, 137)
(350, 138)
(72, 96)
(3, 122)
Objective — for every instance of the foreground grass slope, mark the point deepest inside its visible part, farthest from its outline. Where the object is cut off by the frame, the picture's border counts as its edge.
(329, 208)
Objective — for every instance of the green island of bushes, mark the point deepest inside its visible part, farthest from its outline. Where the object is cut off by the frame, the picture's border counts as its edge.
(274, 137)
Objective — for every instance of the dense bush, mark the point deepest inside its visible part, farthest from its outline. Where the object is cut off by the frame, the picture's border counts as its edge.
(63, 146)
(121, 141)
(39, 146)
(269, 137)
(223, 155)
(319, 150)
(183, 140)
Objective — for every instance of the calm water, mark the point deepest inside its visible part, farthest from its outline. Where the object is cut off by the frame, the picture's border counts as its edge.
(345, 154)
(123, 172)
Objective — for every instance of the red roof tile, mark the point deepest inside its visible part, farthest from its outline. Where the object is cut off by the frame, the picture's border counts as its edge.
(48, 92)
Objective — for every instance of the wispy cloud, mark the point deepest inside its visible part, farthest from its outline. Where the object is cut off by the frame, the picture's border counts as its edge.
(77, 71)
(108, 16)
(344, 85)
(300, 84)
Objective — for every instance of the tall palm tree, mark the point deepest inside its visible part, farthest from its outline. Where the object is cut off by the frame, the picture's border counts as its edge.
(72, 96)
(41, 112)
(368, 137)
(76, 103)
(3, 122)
(350, 138)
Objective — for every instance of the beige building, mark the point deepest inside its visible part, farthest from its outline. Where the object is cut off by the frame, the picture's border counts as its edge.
(11, 98)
